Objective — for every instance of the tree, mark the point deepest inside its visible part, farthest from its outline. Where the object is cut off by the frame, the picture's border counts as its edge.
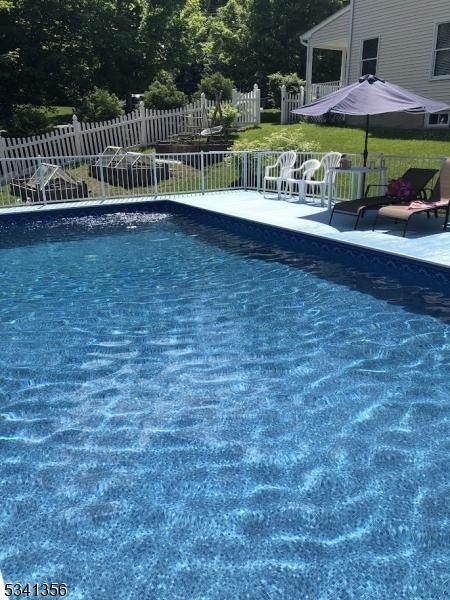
(99, 105)
(215, 84)
(163, 94)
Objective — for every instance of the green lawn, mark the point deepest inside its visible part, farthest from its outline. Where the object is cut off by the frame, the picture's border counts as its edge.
(351, 139)
(61, 115)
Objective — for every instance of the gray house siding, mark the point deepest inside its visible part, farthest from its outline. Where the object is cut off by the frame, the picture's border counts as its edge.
(333, 34)
(406, 31)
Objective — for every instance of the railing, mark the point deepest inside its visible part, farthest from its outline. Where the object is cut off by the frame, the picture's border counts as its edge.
(307, 94)
(319, 90)
(81, 178)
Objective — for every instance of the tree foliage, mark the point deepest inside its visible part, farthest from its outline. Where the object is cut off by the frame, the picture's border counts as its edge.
(214, 85)
(292, 82)
(54, 52)
(162, 93)
(99, 105)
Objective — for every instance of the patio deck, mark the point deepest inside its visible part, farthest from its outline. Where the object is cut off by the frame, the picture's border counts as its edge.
(426, 242)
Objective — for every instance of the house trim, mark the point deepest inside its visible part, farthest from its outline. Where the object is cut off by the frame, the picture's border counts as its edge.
(304, 37)
(434, 77)
(377, 58)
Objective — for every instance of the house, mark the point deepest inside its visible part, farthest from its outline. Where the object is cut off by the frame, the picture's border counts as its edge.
(406, 42)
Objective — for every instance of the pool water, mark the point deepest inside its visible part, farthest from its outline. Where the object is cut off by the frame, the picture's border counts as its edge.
(185, 414)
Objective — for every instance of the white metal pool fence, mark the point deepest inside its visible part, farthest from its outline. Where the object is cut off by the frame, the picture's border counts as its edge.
(134, 175)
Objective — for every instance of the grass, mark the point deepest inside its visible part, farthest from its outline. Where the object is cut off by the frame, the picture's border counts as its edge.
(61, 115)
(398, 142)
(58, 115)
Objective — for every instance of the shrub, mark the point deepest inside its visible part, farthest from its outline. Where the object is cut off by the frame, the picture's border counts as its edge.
(28, 120)
(163, 94)
(212, 85)
(291, 138)
(292, 82)
(99, 105)
(229, 115)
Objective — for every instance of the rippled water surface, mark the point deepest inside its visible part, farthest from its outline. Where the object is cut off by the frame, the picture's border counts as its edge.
(188, 415)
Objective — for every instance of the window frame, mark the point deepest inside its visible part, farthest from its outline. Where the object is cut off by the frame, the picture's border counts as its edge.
(438, 125)
(376, 58)
(434, 77)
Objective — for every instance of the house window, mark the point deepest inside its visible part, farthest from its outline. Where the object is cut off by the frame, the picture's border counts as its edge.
(369, 57)
(442, 51)
(439, 120)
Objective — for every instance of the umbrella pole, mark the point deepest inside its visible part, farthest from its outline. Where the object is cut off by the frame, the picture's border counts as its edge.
(366, 153)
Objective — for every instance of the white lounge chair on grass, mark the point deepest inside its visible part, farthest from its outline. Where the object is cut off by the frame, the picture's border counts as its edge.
(284, 166)
(331, 160)
(307, 170)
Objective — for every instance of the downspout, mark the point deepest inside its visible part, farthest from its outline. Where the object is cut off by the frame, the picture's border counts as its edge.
(350, 39)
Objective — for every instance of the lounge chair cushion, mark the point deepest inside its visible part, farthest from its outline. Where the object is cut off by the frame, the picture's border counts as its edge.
(403, 213)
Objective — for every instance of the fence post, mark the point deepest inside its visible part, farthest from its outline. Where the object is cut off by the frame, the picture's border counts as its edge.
(284, 105)
(203, 108)
(102, 178)
(142, 117)
(234, 97)
(258, 171)
(155, 178)
(77, 135)
(3, 163)
(245, 171)
(202, 171)
(257, 104)
(42, 179)
(302, 95)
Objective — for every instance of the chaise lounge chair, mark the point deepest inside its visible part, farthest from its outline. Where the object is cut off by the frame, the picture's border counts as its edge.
(439, 199)
(417, 179)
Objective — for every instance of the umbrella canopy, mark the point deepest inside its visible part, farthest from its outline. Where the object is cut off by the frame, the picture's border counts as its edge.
(370, 96)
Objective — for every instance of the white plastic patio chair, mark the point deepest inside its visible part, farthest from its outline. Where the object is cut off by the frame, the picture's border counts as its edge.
(331, 160)
(307, 170)
(284, 164)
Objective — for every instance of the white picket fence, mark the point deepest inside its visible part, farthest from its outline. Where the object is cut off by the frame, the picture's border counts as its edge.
(305, 96)
(143, 127)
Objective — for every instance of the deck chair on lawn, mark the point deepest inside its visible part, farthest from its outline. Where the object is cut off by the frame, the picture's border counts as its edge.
(417, 179)
(439, 200)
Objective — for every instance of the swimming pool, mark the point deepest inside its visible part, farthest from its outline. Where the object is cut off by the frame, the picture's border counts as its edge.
(186, 414)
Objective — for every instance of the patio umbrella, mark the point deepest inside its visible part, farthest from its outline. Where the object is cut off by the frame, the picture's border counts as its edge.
(370, 96)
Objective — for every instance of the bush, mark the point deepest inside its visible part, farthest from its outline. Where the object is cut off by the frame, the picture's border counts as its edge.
(292, 82)
(229, 115)
(212, 85)
(292, 138)
(99, 105)
(163, 94)
(28, 120)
